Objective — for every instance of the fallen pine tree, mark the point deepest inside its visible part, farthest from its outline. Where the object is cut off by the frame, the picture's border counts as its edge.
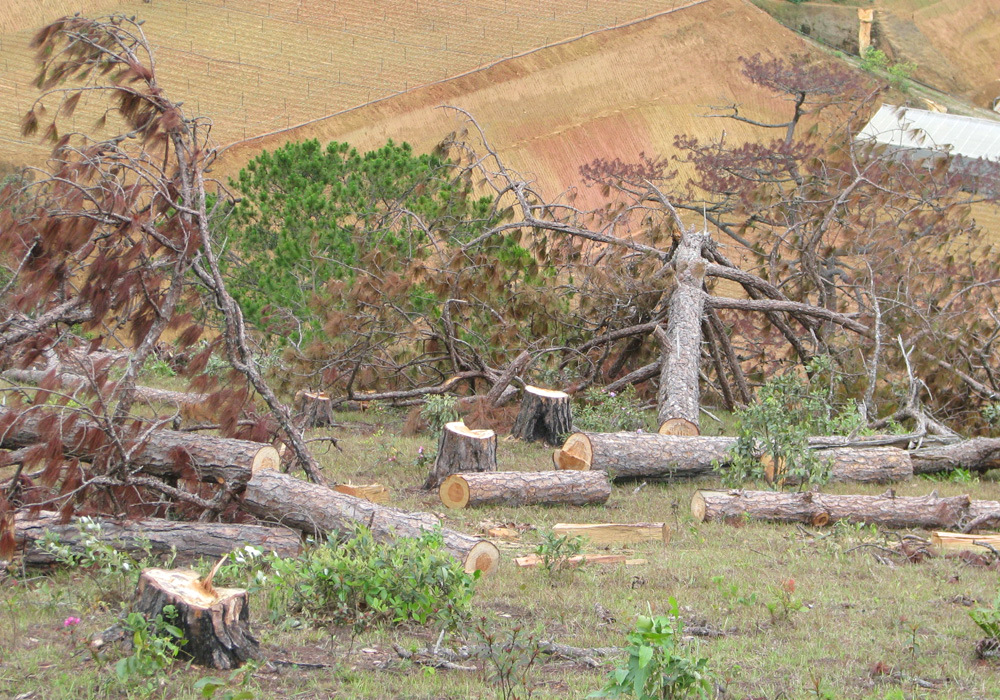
(525, 488)
(819, 509)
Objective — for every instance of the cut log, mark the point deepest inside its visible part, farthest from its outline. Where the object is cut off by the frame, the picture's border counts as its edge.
(545, 415)
(525, 488)
(655, 456)
(616, 533)
(531, 560)
(189, 540)
(644, 455)
(461, 449)
(315, 409)
(679, 426)
(162, 452)
(953, 541)
(818, 509)
(215, 621)
(376, 493)
(68, 380)
(977, 455)
(318, 510)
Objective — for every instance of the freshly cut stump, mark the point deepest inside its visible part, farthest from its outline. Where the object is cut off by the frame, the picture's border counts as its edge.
(818, 509)
(525, 488)
(215, 621)
(462, 449)
(616, 533)
(545, 416)
(316, 409)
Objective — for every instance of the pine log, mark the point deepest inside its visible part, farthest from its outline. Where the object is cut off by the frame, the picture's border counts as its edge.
(461, 449)
(976, 455)
(69, 380)
(274, 496)
(189, 540)
(616, 533)
(545, 415)
(315, 409)
(163, 452)
(953, 541)
(532, 560)
(644, 455)
(655, 456)
(525, 488)
(818, 509)
(678, 393)
(215, 621)
(376, 493)
(679, 426)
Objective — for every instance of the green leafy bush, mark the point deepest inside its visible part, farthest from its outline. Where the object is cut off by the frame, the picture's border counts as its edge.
(360, 581)
(988, 619)
(439, 409)
(156, 643)
(556, 551)
(658, 668)
(608, 412)
(789, 409)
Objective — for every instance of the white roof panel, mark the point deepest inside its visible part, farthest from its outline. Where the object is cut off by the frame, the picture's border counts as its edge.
(917, 128)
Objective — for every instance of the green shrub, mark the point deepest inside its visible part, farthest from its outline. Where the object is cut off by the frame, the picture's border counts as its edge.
(440, 409)
(658, 668)
(156, 642)
(360, 581)
(556, 551)
(609, 412)
(988, 619)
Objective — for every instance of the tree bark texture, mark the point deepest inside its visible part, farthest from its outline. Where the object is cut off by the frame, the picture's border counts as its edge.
(190, 540)
(654, 456)
(525, 488)
(163, 452)
(818, 509)
(215, 621)
(678, 394)
(461, 449)
(546, 415)
(274, 496)
(978, 455)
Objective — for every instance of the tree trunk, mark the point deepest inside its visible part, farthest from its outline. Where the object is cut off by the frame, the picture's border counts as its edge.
(315, 409)
(215, 621)
(525, 489)
(163, 452)
(70, 380)
(616, 533)
(190, 540)
(818, 509)
(319, 510)
(977, 455)
(654, 456)
(678, 394)
(462, 449)
(545, 415)
(643, 455)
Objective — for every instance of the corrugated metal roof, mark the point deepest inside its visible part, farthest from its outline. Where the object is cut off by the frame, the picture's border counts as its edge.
(917, 128)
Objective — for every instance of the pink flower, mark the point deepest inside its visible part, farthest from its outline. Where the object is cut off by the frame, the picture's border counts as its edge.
(420, 450)
(71, 622)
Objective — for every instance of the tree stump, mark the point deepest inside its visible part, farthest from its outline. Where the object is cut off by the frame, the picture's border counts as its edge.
(545, 415)
(462, 449)
(215, 622)
(526, 488)
(316, 409)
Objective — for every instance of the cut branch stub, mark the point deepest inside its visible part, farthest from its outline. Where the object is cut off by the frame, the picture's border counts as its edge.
(215, 621)
(546, 415)
(525, 488)
(462, 449)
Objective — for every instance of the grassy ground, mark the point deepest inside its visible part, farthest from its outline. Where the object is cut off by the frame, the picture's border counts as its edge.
(803, 613)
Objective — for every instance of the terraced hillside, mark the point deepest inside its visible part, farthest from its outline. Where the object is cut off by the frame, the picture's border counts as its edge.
(260, 65)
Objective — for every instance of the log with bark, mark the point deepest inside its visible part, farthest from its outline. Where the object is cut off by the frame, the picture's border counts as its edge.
(159, 452)
(655, 456)
(215, 622)
(525, 488)
(69, 380)
(277, 497)
(977, 455)
(616, 533)
(161, 538)
(461, 449)
(818, 509)
(545, 415)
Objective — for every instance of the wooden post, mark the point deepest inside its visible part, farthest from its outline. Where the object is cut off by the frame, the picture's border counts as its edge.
(462, 449)
(545, 415)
